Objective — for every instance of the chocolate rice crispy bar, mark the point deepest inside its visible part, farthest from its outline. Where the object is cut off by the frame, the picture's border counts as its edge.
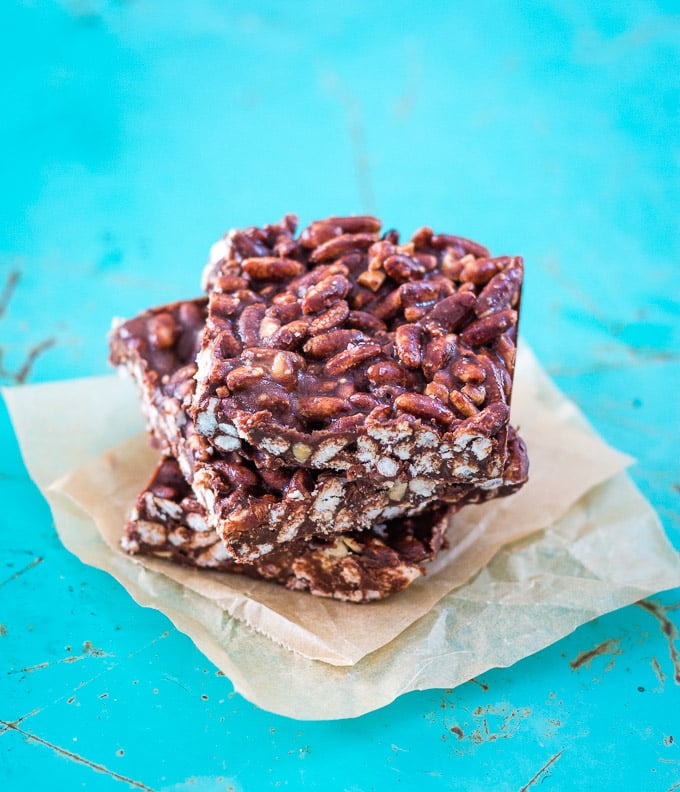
(346, 349)
(167, 521)
(256, 508)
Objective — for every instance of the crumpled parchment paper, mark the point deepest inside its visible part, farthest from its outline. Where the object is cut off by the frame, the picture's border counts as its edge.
(521, 572)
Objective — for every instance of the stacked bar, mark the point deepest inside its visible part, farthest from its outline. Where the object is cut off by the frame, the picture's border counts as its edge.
(321, 410)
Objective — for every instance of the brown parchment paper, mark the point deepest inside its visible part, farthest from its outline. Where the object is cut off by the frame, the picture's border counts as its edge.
(521, 572)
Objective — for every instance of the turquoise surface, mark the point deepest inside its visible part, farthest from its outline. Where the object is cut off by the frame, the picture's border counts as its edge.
(132, 134)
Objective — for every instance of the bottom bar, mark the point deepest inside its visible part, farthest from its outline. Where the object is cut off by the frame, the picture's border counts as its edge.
(359, 566)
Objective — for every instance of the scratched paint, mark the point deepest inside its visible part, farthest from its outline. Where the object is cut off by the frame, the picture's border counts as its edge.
(87, 651)
(486, 723)
(355, 124)
(21, 374)
(73, 757)
(609, 647)
(7, 291)
(542, 774)
(659, 674)
(668, 628)
(34, 563)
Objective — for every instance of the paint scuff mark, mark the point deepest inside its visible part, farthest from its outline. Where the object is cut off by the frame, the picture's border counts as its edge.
(543, 773)
(92, 651)
(405, 104)
(504, 723)
(3, 630)
(608, 647)
(23, 372)
(7, 725)
(668, 628)
(88, 651)
(552, 726)
(10, 286)
(75, 757)
(177, 682)
(37, 560)
(492, 722)
(658, 672)
(482, 685)
(357, 137)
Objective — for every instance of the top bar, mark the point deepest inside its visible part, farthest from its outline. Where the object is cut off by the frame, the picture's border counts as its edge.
(345, 349)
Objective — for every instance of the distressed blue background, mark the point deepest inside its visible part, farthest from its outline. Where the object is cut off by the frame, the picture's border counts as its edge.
(132, 134)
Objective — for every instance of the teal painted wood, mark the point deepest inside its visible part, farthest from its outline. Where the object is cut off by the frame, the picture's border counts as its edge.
(132, 135)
